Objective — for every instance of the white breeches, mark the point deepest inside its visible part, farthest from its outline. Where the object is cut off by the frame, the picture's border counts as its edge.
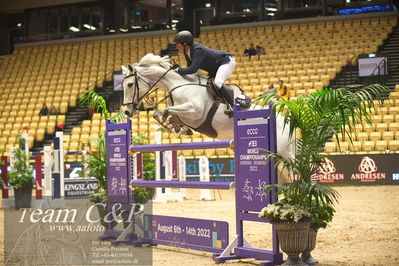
(224, 72)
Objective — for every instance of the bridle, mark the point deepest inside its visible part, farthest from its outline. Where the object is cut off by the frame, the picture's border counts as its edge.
(136, 90)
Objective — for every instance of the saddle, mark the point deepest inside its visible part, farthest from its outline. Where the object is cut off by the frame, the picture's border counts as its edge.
(228, 99)
(215, 92)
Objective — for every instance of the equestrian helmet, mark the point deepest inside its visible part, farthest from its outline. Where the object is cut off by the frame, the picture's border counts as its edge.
(184, 36)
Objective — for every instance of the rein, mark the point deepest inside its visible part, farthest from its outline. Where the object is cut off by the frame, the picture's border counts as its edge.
(137, 89)
(151, 88)
(182, 85)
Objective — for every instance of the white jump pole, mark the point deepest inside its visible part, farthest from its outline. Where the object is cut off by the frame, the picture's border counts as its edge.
(182, 175)
(205, 194)
(48, 166)
(165, 160)
(60, 136)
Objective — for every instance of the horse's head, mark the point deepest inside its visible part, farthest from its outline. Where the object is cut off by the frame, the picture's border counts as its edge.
(131, 88)
(139, 79)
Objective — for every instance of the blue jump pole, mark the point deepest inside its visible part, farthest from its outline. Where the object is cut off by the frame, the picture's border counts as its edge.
(183, 184)
(180, 146)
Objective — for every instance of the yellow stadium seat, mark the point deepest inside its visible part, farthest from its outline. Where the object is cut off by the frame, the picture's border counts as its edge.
(368, 145)
(388, 135)
(393, 126)
(393, 144)
(356, 146)
(308, 85)
(382, 127)
(375, 136)
(381, 145)
(362, 136)
(394, 110)
(330, 147)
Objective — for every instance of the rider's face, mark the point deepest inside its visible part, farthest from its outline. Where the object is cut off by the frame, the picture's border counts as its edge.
(180, 47)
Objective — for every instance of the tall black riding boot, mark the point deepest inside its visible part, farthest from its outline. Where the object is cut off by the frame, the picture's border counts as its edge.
(228, 96)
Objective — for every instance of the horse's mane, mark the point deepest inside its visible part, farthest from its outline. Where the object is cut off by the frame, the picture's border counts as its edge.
(151, 59)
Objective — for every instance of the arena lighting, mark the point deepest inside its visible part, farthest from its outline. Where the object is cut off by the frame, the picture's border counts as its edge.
(90, 27)
(74, 29)
(372, 55)
(271, 9)
(208, 5)
(123, 30)
(19, 25)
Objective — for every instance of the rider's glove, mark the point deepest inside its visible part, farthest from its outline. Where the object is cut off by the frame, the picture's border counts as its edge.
(174, 66)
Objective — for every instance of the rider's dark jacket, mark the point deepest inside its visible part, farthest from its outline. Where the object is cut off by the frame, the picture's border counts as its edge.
(204, 58)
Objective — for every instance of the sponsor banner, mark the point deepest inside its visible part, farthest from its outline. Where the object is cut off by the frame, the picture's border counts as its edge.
(118, 82)
(79, 188)
(220, 169)
(186, 232)
(382, 169)
(368, 65)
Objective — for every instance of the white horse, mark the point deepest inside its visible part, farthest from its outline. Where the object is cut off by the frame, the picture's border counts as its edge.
(190, 99)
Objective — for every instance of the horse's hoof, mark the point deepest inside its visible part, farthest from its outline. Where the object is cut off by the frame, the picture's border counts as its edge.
(177, 129)
(187, 132)
(165, 114)
(157, 116)
(229, 113)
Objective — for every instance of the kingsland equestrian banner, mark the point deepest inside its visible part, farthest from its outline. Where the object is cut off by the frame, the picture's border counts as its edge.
(382, 169)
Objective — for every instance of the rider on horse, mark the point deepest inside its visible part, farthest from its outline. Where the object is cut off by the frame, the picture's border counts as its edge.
(219, 64)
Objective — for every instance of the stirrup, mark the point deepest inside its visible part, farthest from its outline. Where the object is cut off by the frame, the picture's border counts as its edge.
(229, 111)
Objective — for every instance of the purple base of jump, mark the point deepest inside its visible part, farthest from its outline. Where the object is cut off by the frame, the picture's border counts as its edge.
(112, 234)
(154, 242)
(183, 184)
(270, 258)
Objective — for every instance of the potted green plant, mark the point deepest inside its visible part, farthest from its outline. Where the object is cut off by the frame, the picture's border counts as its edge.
(21, 176)
(316, 118)
(96, 163)
(322, 215)
(291, 219)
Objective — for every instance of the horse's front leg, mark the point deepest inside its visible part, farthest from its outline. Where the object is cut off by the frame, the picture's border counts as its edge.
(185, 109)
(159, 117)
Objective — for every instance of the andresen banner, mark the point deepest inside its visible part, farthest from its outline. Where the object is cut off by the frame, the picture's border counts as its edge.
(380, 169)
